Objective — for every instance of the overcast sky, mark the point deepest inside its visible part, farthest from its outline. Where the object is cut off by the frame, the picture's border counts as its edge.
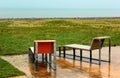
(111, 4)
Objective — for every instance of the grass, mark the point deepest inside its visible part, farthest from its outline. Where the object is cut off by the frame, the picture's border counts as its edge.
(7, 70)
(17, 35)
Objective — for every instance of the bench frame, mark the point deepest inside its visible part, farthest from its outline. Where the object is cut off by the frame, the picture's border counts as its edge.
(99, 40)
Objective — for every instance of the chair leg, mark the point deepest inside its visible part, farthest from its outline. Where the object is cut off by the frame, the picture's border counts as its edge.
(73, 53)
(109, 57)
(54, 62)
(81, 54)
(50, 61)
(99, 56)
(59, 51)
(109, 50)
(64, 51)
(46, 61)
(42, 57)
(31, 55)
(36, 65)
(90, 56)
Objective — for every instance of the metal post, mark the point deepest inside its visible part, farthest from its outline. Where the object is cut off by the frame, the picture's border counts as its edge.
(90, 55)
(64, 52)
(80, 54)
(100, 53)
(73, 53)
(42, 57)
(54, 53)
(36, 51)
(99, 56)
(109, 50)
(59, 51)
(36, 55)
(50, 59)
(46, 61)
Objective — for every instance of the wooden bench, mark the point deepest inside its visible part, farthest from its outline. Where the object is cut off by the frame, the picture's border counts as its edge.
(96, 43)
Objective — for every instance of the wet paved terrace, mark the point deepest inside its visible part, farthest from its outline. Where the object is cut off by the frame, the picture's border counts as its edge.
(68, 68)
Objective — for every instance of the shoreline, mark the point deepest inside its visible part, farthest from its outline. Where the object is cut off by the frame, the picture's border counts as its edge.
(60, 18)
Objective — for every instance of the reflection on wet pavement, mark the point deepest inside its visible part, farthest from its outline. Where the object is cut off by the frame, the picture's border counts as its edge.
(43, 71)
(68, 68)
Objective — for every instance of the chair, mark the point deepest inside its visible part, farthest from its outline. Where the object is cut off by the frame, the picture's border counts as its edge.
(96, 43)
(46, 48)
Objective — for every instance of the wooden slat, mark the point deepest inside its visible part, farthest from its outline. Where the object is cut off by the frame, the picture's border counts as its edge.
(44, 41)
(103, 37)
(77, 46)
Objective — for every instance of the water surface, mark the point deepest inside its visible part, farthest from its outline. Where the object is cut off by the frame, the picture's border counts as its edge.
(56, 13)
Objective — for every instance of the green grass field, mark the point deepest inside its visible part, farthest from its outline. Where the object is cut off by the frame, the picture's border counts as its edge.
(17, 35)
(7, 70)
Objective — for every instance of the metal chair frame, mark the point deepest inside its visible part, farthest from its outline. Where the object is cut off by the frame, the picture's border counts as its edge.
(46, 56)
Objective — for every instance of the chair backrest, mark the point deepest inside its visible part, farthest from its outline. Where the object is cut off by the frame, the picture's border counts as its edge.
(44, 46)
(97, 43)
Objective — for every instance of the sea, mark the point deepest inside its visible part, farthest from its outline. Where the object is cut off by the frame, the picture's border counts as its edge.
(57, 13)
